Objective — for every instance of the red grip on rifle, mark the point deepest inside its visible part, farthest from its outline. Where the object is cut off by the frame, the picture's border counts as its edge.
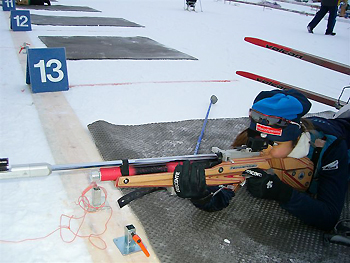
(114, 173)
(172, 165)
(138, 241)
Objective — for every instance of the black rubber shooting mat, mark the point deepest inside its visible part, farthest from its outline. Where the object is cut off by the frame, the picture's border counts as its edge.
(257, 230)
(102, 47)
(58, 8)
(80, 21)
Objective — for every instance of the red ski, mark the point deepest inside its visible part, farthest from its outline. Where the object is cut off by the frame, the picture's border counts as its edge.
(330, 64)
(280, 85)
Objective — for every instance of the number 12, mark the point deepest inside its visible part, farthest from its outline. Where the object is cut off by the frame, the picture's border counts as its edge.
(23, 22)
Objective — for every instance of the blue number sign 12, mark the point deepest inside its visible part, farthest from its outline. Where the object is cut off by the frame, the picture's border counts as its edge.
(20, 20)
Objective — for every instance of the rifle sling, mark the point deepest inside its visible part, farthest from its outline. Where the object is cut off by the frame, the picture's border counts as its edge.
(138, 193)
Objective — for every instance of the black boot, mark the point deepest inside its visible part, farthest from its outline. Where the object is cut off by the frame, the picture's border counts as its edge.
(309, 29)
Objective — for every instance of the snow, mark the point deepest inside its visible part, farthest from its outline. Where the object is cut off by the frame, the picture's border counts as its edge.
(160, 91)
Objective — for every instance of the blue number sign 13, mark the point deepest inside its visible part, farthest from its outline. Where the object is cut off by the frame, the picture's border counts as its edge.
(47, 69)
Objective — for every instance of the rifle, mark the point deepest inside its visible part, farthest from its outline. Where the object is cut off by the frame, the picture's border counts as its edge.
(223, 167)
(295, 172)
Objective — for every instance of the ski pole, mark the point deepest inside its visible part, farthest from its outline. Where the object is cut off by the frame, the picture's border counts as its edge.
(200, 2)
(213, 100)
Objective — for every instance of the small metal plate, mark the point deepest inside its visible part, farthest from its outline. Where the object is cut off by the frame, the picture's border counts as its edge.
(124, 248)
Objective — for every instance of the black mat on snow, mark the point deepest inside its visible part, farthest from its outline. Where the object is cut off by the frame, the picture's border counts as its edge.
(101, 47)
(257, 230)
(81, 21)
(58, 8)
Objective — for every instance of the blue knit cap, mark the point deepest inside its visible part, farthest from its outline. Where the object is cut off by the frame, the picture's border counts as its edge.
(288, 104)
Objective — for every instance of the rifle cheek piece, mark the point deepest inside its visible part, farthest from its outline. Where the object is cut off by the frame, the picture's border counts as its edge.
(257, 141)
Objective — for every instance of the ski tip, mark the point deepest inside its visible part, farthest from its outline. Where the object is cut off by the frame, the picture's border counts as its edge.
(253, 40)
(241, 73)
(248, 39)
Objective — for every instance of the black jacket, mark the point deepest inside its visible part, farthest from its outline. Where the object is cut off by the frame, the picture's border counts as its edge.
(329, 2)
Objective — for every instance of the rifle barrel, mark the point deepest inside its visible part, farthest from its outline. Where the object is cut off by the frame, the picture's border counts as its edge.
(45, 169)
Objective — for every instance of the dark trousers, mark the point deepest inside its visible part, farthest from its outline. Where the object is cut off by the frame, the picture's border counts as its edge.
(321, 13)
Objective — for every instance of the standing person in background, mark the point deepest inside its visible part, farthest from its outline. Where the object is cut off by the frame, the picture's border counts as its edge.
(191, 3)
(327, 6)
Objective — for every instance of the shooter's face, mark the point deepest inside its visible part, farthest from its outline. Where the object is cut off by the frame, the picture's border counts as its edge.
(278, 150)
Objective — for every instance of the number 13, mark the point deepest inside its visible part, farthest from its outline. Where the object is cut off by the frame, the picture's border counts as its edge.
(57, 69)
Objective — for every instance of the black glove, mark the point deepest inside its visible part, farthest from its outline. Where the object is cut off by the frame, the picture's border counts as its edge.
(263, 185)
(189, 181)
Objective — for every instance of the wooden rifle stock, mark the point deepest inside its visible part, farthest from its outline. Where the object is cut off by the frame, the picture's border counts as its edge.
(295, 172)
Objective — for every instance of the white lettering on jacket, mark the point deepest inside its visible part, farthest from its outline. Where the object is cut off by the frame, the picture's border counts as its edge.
(331, 166)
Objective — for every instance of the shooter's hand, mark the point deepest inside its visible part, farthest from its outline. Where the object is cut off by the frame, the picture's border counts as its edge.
(268, 186)
(189, 181)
